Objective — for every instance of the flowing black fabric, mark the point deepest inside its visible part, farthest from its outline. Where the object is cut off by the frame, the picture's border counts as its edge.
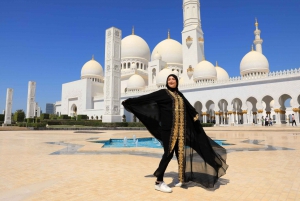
(205, 160)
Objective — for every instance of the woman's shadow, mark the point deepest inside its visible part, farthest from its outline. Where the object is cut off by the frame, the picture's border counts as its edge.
(174, 176)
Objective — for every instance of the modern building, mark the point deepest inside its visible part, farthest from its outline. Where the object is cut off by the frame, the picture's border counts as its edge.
(50, 108)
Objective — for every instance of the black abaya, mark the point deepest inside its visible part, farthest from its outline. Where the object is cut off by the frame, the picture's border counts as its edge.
(204, 160)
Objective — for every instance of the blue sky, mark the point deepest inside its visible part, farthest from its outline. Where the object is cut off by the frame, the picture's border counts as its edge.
(49, 41)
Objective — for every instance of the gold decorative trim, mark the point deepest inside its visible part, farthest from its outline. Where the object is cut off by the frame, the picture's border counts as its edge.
(178, 132)
(196, 117)
(260, 111)
(189, 39)
(190, 69)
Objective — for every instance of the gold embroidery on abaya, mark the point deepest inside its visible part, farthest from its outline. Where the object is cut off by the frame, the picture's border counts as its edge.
(178, 132)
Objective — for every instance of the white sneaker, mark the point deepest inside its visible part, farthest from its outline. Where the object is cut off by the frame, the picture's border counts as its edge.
(162, 186)
(178, 184)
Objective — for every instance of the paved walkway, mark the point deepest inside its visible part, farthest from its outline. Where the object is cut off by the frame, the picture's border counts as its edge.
(264, 164)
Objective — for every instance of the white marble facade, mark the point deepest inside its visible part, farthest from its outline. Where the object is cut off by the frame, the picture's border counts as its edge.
(215, 95)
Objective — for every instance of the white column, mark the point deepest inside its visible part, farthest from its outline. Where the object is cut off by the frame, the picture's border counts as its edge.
(112, 85)
(31, 99)
(192, 37)
(8, 106)
(245, 117)
(222, 119)
(217, 118)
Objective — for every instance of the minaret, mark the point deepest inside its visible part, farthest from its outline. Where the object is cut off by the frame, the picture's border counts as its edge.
(258, 41)
(112, 84)
(30, 113)
(192, 37)
(8, 107)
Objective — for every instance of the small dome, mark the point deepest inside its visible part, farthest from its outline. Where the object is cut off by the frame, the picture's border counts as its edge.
(134, 46)
(161, 79)
(135, 82)
(157, 56)
(254, 62)
(222, 75)
(91, 69)
(205, 71)
(170, 51)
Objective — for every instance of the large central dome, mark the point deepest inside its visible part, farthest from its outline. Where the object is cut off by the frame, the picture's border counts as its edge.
(170, 51)
(134, 46)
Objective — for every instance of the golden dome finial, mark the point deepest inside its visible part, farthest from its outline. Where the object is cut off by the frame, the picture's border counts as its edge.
(169, 34)
(204, 57)
(93, 58)
(256, 23)
(132, 30)
(216, 63)
(252, 48)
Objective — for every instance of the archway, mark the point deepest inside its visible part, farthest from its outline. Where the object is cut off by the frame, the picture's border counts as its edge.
(237, 111)
(198, 106)
(284, 102)
(253, 115)
(223, 117)
(209, 114)
(73, 110)
(153, 76)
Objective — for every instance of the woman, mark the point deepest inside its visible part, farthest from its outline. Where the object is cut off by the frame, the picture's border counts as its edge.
(172, 120)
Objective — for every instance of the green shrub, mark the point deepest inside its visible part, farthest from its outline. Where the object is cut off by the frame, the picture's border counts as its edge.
(135, 124)
(19, 116)
(1, 117)
(82, 117)
(36, 125)
(207, 124)
(45, 116)
(64, 116)
(29, 120)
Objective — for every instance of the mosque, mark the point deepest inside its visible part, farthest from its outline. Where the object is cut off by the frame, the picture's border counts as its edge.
(217, 97)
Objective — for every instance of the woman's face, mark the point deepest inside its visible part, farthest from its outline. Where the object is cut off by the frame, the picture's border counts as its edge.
(172, 82)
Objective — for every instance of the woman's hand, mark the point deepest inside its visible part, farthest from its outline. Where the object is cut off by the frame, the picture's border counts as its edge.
(196, 117)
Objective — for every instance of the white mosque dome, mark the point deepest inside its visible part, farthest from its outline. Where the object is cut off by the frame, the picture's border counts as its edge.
(156, 56)
(161, 79)
(135, 82)
(254, 62)
(205, 71)
(170, 51)
(134, 46)
(91, 69)
(222, 75)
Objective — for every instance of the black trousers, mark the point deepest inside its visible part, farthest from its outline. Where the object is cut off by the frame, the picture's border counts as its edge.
(294, 121)
(166, 158)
